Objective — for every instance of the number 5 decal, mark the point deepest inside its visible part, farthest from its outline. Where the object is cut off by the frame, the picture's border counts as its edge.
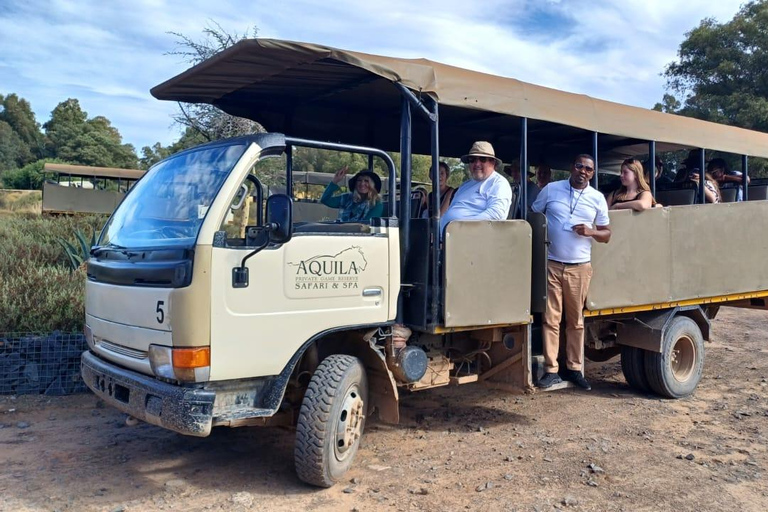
(160, 312)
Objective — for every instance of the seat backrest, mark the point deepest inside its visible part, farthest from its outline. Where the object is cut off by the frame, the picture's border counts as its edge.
(680, 197)
(758, 193)
(728, 195)
(418, 202)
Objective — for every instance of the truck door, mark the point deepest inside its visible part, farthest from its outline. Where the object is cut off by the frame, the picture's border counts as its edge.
(328, 276)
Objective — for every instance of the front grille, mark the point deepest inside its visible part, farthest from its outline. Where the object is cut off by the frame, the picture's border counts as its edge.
(119, 349)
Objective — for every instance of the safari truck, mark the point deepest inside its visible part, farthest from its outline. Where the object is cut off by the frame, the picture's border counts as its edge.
(298, 321)
(85, 189)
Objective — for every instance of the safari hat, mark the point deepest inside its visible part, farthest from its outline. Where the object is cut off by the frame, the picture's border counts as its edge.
(481, 148)
(376, 180)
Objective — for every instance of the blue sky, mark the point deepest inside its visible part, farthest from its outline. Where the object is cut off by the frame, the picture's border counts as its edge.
(108, 54)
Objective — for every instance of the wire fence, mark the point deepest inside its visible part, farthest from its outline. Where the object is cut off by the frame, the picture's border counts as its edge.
(41, 363)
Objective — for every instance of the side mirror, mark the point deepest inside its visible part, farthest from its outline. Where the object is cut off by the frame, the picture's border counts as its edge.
(279, 225)
(280, 218)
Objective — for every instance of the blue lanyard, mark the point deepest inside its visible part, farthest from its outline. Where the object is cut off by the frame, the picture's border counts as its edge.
(571, 204)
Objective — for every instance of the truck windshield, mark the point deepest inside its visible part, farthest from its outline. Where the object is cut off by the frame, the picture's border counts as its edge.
(168, 205)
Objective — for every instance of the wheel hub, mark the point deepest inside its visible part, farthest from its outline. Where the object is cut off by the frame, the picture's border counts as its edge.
(683, 358)
(349, 425)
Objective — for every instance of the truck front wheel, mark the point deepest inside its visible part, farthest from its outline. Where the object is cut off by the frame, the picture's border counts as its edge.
(676, 371)
(331, 420)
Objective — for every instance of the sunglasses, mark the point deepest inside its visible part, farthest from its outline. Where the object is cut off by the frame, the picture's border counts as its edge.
(481, 159)
(579, 166)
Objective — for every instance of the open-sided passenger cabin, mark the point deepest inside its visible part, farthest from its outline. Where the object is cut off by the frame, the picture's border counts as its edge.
(85, 189)
(489, 275)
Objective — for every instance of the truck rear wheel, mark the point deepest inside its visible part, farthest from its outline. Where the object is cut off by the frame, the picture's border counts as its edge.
(331, 420)
(633, 367)
(676, 371)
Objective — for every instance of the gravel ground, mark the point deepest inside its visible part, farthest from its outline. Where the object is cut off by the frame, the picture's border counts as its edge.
(456, 449)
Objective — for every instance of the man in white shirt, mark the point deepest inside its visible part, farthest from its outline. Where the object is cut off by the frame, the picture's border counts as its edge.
(487, 196)
(576, 214)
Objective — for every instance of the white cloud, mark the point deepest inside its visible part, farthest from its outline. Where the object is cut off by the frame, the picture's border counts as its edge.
(109, 54)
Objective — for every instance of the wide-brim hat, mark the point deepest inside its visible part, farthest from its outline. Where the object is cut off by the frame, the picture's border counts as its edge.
(370, 174)
(481, 148)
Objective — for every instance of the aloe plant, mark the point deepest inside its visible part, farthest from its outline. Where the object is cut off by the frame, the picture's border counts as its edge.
(79, 253)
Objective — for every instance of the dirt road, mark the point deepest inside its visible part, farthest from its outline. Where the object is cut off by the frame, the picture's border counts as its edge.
(456, 449)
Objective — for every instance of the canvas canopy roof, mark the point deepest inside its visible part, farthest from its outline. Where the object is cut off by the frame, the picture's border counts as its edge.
(94, 172)
(318, 92)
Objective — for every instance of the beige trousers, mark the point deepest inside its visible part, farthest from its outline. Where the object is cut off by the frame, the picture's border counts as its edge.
(567, 287)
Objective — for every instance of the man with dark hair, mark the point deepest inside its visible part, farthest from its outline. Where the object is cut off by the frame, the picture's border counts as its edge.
(576, 214)
(725, 177)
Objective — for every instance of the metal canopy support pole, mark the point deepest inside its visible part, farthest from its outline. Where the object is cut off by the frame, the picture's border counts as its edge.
(702, 176)
(744, 176)
(289, 170)
(595, 181)
(652, 163)
(435, 221)
(416, 102)
(404, 198)
(370, 163)
(523, 202)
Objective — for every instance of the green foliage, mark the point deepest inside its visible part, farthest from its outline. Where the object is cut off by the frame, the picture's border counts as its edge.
(42, 299)
(29, 177)
(38, 291)
(71, 136)
(78, 253)
(720, 74)
(20, 139)
(151, 155)
(13, 151)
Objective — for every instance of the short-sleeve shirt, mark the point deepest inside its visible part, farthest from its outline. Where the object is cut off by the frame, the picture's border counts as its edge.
(733, 184)
(566, 207)
(488, 199)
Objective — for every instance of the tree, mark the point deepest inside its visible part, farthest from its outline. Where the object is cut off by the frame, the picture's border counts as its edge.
(24, 140)
(72, 137)
(13, 151)
(720, 75)
(151, 155)
(720, 72)
(207, 120)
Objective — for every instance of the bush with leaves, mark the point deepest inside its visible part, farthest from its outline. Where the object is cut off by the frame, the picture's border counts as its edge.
(38, 289)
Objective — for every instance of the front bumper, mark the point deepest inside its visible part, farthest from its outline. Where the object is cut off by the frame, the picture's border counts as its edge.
(184, 410)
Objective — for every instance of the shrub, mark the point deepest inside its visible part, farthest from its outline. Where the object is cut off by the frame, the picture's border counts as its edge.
(42, 299)
(38, 292)
(30, 240)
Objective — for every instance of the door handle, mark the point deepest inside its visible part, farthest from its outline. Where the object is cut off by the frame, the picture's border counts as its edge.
(371, 292)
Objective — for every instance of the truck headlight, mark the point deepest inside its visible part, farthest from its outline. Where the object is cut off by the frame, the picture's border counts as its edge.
(182, 364)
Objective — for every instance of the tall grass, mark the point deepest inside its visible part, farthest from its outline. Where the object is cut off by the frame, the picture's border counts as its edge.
(38, 292)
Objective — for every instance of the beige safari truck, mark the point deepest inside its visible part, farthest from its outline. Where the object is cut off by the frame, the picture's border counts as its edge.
(300, 321)
(85, 189)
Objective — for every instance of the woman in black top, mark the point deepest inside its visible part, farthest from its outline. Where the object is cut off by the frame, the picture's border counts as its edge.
(634, 193)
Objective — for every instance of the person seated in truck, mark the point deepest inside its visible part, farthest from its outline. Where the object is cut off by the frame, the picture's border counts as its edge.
(662, 177)
(634, 193)
(513, 171)
(487, 195)
(543, 175)
(446, 193)
(725, 177)
(361, 203)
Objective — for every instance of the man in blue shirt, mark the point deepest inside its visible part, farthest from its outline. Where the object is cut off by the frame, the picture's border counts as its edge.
(487, 196)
